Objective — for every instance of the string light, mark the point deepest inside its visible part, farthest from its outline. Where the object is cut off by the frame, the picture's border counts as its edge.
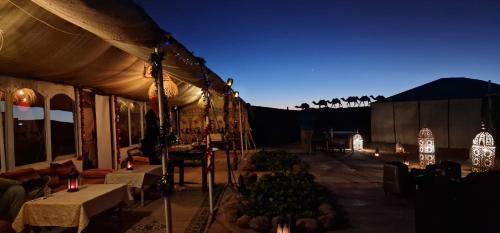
(1, 39)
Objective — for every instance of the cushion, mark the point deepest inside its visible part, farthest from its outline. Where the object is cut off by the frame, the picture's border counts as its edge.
(98, 173)
(54, 182)
(22, 175)
(45, 172)
(140, 159)
(63, 170)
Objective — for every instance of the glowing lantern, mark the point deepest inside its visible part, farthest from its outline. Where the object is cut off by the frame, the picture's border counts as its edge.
(400, 148)
(170, 88)
(24, 98)
(73, 182)
(357, 142)
(482, 152)
(406, 162)
(130, 166)
(377, 152)
(426, 147)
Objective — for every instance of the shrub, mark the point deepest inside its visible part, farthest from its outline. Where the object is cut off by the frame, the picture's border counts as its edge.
(282, 193)
(276, 161)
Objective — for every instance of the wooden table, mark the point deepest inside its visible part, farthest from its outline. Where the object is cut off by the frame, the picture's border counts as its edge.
(140, 177)
(70, 209)
(179, 157)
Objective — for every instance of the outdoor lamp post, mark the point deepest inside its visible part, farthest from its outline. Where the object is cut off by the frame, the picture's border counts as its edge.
(357, 142)
(237, 96)
(73, 182)
(227, 134)
(482, 152)
(426, 147)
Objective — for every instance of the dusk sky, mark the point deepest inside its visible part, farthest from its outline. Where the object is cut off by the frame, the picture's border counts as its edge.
(285, 52)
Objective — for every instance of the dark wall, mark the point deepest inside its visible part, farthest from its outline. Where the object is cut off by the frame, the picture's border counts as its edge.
(271, 126)
(277, 126)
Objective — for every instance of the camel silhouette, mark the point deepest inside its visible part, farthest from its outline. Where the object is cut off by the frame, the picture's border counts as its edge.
(335, 102)
(303, 106)
(351, 99)
(378, 98)
(365, 100)
(320, 103)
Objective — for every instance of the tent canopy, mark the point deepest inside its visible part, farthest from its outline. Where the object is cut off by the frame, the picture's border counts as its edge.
(96, 44)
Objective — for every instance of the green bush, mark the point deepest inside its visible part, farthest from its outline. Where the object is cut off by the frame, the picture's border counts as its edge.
(277, 161)
(282, 193)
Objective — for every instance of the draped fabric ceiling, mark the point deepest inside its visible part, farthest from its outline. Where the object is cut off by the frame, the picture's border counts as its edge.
(96, 44)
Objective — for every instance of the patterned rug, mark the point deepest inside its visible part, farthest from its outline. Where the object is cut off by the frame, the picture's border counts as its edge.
(200, 220)
(197, 223)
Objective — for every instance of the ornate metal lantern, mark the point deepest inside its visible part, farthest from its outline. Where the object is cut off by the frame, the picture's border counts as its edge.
(357, 142)
(426, 147)
(73, 182)
(482, 152)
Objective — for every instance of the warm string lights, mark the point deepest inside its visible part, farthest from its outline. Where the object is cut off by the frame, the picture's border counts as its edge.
(1, 39)
(426, 147)
(482, 152)
(117, 130)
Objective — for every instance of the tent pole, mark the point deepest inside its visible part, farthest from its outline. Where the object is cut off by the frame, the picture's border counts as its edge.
(156, 60)
(241, 130)
(227, 133)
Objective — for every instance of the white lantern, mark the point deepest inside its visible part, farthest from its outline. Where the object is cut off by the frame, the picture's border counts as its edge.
(426, 147)
(482, 152)
(357, 142)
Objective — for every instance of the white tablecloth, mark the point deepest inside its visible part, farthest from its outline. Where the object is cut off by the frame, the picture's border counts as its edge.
(65, 209)
(136, 178)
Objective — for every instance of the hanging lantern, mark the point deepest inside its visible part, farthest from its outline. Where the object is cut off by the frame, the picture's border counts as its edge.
(171, 89)
(357, 142)
(73, 182)
(426, 147)
(125, 105)
(24, 97)
(482, 152)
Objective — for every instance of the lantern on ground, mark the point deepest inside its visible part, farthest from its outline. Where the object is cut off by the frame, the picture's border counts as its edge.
(400, 148)
(283, 228)
(482, 152)
(357, 142)
(426, 147)
(73, 182)
(377, 152)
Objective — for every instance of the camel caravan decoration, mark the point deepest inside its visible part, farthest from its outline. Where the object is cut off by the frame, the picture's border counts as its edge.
(351, 101)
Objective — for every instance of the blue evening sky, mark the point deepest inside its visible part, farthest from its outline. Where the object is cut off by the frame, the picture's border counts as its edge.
(285, 52)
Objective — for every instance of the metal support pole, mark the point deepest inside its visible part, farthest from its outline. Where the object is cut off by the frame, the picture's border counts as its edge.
(227, 134)
(157, 73)
(241, 130)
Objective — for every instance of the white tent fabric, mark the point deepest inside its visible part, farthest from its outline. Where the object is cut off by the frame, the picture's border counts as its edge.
(94, 44)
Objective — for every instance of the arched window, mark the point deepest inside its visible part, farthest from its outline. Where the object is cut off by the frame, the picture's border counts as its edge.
(123, 125)
(29, 127)
(62, 125)
(135, 123)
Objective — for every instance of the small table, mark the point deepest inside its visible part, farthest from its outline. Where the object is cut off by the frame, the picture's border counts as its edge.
(178, 157)
(70, 209)
(139, 177)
